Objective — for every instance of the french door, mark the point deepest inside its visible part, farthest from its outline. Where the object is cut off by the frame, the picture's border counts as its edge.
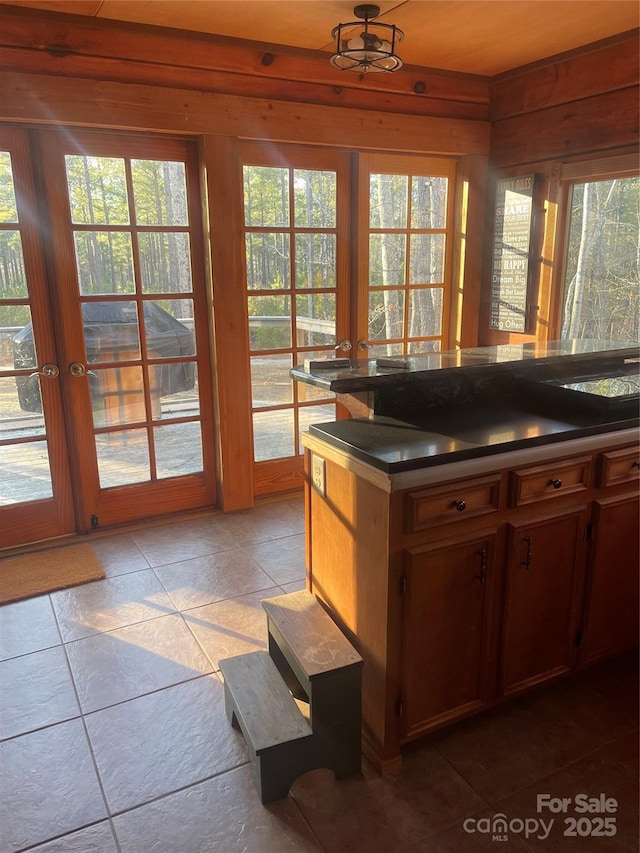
(36, 500)
(130, 355)
(297, 252)
(345, 253)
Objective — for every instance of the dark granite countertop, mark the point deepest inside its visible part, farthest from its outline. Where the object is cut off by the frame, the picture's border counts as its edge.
(433, 414)
(365, 375)
(394, 446)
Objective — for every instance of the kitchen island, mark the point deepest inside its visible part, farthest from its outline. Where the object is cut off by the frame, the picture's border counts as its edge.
(474, 531)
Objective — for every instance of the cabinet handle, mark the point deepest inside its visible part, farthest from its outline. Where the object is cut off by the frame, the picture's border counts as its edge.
(636, 464)
(460, 505)
(527, 560)
(483, 566)
(555, 483)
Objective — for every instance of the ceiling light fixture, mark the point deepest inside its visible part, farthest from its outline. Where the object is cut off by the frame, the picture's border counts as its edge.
(369, 49)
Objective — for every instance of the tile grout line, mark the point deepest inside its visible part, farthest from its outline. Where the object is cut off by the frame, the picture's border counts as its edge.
(89, 743)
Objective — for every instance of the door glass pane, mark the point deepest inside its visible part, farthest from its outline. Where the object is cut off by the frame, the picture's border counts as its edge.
(13, 281)
(315, 319)
(273, 434)
(169, 328)
(21, 411)
(288, 253)
(266, 196)
(123, 457)
(17, 350)
(426, 264)
(388, 201)
(425, 312)
(416, 347)
(178, 384)
(270, 381)
(268, 262)
(315, 198)
(308, 415)
(165, 262)
(25, 474)
(315, 260)
(387, 254)
(178, 449)
(269, 322)
(159, 192)
(117, 397)
(601, 292)
(429, 202)
(97, 190)
(105, 262)
(405, 252)
(111, 331)
(385, 350)
(386, 314)
(8, 208)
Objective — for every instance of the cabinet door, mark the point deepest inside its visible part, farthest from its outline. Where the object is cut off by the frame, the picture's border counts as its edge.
(543, 577)
(612, 605)
(446, 631)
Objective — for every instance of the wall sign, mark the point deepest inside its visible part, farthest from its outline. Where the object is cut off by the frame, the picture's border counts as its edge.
(511, 254)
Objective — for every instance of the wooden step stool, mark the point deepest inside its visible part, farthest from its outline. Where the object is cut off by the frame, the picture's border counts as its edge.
(280, 741)
(312, 653)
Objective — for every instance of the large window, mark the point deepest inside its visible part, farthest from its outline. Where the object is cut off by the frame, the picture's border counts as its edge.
(601, 286)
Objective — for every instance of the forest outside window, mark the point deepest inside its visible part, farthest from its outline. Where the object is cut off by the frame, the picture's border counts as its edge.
(601, 299)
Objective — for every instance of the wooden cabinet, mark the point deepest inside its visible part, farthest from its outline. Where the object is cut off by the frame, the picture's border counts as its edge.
(611, 617)
(446, 629)
(463, 592)
(540, 609)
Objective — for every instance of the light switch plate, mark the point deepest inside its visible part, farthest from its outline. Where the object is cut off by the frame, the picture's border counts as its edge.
(317, 473)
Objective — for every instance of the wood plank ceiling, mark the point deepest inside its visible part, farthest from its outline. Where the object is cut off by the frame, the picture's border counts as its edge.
(485, 37)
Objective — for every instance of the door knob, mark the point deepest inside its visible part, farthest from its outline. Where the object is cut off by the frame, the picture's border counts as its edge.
(77, 368)
(362, 345)
(48, 370)
(343, 345)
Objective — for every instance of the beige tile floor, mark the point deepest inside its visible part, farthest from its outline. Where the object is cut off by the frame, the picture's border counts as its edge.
(115, 739)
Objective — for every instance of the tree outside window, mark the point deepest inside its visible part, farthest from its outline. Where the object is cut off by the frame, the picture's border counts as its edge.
(602, 274)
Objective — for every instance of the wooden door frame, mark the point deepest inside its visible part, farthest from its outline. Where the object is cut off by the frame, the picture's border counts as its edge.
(392, 163)
(136, 501)
(47, 518)
(271, 476)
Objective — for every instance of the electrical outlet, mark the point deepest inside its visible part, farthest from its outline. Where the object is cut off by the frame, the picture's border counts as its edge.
(317, 473)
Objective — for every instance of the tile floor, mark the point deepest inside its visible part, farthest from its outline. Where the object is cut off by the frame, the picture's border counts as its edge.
(115, 738)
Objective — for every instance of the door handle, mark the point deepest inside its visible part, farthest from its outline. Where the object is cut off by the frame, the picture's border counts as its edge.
(343, 345)
(362, 345)
(77, 368)
(48, 370)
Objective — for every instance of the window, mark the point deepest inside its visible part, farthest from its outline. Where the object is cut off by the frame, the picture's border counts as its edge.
(601, 298)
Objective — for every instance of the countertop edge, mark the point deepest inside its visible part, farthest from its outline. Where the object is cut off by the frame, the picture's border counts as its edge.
(446, 471)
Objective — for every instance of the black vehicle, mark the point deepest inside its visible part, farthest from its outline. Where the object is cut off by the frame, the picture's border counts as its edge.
(107, 338)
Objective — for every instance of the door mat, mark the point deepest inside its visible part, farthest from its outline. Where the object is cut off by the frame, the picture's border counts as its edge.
(47, 571)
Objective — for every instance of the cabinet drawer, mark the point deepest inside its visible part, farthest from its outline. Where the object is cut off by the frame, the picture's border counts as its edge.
(530, 485)
(619, 466)
(430, 507)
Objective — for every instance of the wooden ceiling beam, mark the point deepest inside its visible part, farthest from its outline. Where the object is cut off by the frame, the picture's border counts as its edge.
(64, 35)
(154, 74)
(92, 103)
